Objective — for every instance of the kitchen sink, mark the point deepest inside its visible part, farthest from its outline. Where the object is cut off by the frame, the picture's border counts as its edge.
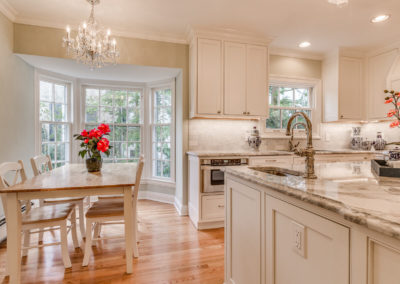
(277, 171)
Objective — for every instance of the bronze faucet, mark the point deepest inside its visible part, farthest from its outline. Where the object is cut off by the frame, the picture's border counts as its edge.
(308, 152)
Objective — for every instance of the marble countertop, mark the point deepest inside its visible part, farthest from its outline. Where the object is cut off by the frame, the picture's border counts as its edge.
(271, 153)
(349, 189)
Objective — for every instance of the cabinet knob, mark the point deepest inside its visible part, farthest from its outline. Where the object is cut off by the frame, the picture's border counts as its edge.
(342, 116)
(244, 112)
(219, 112)
(248, 113)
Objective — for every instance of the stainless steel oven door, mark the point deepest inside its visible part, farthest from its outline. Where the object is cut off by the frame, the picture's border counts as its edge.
(213, 179)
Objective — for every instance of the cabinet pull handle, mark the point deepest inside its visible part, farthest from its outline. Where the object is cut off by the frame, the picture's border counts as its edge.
(248, 113)
(219, 112)
(221, 206)
(244, 112)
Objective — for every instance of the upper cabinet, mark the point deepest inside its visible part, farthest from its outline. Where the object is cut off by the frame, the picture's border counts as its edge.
(343, 87)
(228, 75)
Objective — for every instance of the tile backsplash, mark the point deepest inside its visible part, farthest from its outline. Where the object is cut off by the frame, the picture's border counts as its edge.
(231, 135)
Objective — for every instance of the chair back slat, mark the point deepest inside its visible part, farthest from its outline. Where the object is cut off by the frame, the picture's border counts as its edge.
(9, 169)
(41, 164)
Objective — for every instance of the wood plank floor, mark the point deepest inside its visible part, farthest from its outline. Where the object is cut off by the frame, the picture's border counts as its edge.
(171, 251)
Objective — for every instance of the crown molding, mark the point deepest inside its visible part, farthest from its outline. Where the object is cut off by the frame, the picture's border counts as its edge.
(8, 10)
(163, 37)
(295, 53)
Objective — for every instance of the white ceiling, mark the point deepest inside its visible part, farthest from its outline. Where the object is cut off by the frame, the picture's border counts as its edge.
(287, 21)
(119, 72)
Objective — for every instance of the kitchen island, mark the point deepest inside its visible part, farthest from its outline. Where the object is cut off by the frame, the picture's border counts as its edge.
(343, 227)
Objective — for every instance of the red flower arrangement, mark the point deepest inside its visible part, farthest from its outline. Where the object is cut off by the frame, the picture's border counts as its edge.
(94, 142)
(393, 98)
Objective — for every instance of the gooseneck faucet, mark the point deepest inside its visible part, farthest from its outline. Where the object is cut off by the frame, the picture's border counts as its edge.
(308, 152)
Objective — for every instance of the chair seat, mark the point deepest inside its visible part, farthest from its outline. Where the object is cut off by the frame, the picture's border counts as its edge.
(63, 200)
(49, 213)
(106, 208)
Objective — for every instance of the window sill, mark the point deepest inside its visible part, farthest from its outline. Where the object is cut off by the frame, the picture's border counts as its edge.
(154, 181)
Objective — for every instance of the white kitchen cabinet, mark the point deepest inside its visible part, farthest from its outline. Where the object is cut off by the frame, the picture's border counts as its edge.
(243, 243)
(209, 84)
(384, 263)
(313, 249)
(256, 81)
(213, 207)
(271, 160)
(228, 75)
(379, 67)
(235, 78)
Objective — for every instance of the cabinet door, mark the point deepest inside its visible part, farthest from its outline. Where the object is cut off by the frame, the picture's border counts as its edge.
(235, 78)
(243, 234)
(350, 90)
(209, 85)
(256, 78)
(304, 248)
(384, 264)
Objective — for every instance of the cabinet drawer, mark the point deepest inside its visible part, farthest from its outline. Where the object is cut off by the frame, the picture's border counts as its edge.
(270, 160)
(213, 207)
(343, 158)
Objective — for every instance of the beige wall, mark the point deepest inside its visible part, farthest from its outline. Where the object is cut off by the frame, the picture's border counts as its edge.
(291, 66)
(45, 41)
(17, 128)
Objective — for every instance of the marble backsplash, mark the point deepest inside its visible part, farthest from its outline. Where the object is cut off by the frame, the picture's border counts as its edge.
(231, 135)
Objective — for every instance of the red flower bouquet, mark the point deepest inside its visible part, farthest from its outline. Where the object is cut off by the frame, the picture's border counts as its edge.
(393, 98)
(93, 144)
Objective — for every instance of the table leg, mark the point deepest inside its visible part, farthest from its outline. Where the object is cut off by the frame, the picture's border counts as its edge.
(13, 238)
(128, 216)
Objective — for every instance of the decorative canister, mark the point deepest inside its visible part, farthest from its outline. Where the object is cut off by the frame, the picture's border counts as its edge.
(366, 145)
(356, 139)
(379, 143)
(254, 139)
(394, 155)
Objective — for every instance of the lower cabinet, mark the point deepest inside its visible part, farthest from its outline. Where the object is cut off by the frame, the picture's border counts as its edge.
(271, 241)
(304, 248)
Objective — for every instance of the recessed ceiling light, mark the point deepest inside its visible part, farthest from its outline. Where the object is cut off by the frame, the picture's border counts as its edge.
(380, 18)
(304, 44)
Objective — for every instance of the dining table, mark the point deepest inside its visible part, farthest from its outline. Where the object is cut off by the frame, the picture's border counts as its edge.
(70, 180)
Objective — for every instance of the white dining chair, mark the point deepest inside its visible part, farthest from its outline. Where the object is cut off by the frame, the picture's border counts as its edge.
(110, 212)
(40, 219)
(41, 164)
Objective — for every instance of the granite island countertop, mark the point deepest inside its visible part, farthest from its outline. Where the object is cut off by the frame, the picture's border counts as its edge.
(349, 189)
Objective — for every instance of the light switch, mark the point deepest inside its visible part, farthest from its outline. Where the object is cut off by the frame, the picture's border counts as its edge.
(299, 239)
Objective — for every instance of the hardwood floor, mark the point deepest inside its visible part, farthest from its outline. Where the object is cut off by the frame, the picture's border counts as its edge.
(171, 251)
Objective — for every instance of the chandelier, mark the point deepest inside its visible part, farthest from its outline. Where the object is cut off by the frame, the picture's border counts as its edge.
(340, 3)
(92, 45)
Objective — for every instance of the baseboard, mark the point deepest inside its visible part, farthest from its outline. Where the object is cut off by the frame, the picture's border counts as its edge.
(182, 209)
(157, 196)
(205, 225)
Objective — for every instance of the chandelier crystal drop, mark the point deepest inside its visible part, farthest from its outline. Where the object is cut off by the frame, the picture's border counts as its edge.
(339, 3)
(92, 45)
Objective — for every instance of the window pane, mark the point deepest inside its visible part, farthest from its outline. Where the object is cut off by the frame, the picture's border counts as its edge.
(120, 133)
(106, 98)
(301, 119)
(120, 150)
(157, 168)
(274, 120)
(92, 97)
(133, 133)
(52, 151)
(133, 150)
(61, 152)
(45, 132)
(92, 114)
(286, 97)
(45, 111)
(273, 96)
(62, 133)
(60, 112)
(286, 114)
(46, 91)
(163, 97)
(106, 114)
(60, 94)
(120, 115)
(166, 169)
(301, 97)
(163, 151)
(134, 99)
(134, 115)
(45, 149)
(120, 98)
(163, 115)
(52, 132)
(162, 133)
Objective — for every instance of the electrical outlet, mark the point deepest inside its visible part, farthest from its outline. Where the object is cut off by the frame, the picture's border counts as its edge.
(299, 239)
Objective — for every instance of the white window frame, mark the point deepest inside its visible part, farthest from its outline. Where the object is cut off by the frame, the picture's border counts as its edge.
(152, 88)
(315, 105)
(54, 79)
(101, 85)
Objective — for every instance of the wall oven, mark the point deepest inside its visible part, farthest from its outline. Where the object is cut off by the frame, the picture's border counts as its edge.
(213, 175)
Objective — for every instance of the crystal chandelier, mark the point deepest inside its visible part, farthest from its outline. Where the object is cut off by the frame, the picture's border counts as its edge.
(92, 45)
(340, 3)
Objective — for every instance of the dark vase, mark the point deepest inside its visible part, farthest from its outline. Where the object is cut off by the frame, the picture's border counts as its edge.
(94, 164)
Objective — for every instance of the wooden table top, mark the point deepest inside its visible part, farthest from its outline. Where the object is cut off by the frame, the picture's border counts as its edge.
(76, 176)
